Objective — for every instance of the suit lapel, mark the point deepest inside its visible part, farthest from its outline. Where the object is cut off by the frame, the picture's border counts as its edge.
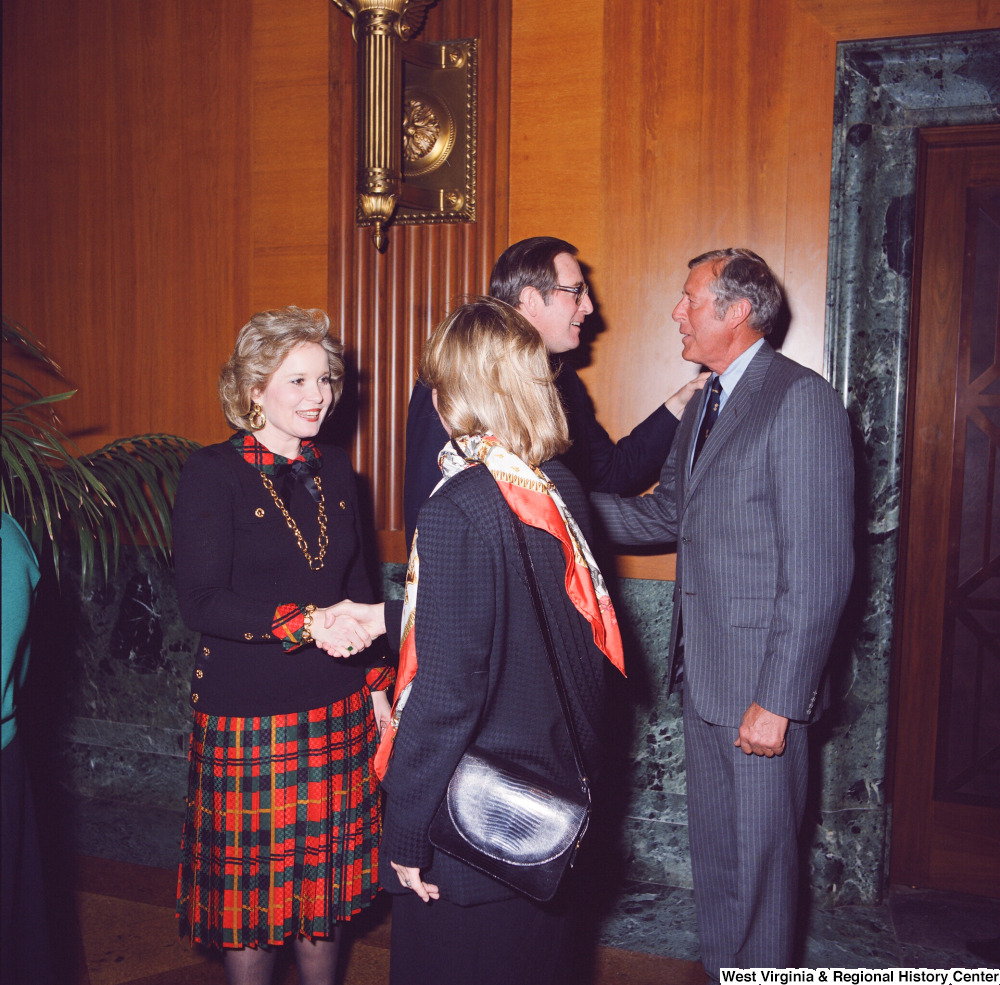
(731, 417)
(684, 439)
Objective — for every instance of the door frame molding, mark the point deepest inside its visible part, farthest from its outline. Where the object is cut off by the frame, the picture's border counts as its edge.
(930, 838)
(872, 203)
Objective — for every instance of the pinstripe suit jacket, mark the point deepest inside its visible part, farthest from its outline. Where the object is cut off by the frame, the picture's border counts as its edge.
(764, 528)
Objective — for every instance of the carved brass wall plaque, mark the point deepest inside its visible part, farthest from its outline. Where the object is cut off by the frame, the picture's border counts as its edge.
(439, 132)
(416, 119)
(428, 131)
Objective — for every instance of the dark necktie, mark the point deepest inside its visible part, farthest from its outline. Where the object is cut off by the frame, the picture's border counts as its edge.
(708, 421)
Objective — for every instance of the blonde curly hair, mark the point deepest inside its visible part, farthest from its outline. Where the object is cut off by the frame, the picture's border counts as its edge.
(261, 347)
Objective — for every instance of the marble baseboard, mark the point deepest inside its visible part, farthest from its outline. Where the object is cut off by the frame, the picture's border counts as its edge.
(126, 832)
(658, 806)
(656, 852)
(846, 856)
(121, 735)
(849, 937)
(654, 919)
(122, 649)
(124, 775)
(843, 852)
(915, 956)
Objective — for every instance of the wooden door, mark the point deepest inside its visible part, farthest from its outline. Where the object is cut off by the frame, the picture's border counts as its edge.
(946, 788)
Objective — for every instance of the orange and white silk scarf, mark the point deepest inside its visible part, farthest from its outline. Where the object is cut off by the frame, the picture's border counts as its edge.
(536, 501)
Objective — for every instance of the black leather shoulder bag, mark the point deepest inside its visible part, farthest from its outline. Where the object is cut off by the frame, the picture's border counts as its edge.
(506, 820)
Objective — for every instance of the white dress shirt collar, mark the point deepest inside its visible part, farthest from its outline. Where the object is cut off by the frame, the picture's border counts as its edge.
(733, 373)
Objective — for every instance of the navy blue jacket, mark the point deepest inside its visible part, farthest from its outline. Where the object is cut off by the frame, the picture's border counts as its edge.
(600, 465)
(483, 675)
(235, 561)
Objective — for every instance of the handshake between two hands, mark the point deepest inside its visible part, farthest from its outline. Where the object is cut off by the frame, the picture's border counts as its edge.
(347, 627)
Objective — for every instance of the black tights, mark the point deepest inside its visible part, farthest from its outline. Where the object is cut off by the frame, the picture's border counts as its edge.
(316, 961)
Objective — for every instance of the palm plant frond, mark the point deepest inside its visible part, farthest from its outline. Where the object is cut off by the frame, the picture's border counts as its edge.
(140, 474)
(21, 388)
(53, 491)
(17, 336)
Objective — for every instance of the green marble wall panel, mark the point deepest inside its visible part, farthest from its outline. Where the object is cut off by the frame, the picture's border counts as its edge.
(886, 91)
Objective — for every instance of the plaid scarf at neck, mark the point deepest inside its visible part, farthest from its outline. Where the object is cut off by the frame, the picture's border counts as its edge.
(534, 498)
(255, 454)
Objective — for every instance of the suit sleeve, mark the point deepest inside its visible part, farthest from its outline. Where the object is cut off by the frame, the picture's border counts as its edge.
(454, 631)
(393, 623)
(381, 674)
(644, 520)
(425, 437)
(811, 472)
(359, 588)
(631, 464)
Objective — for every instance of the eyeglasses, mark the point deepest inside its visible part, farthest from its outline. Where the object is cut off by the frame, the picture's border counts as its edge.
(579, 292)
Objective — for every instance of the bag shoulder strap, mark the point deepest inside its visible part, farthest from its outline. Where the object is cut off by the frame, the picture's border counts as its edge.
(543, 625)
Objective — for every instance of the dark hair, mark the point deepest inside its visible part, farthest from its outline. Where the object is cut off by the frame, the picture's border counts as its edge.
(529, 263)
(741, 274)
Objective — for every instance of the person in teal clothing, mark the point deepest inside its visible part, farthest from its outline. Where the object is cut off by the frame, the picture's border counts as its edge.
(24, 946)
(20, 576)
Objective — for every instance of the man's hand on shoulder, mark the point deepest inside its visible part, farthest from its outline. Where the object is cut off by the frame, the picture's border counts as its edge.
(762, 733)
(679, 400)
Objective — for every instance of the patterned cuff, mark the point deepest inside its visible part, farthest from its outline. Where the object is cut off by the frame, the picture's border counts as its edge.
(380, 678)
(292, 624)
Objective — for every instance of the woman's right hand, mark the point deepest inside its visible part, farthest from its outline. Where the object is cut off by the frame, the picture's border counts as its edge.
(341, 637)
(409, 877)
(347, 627)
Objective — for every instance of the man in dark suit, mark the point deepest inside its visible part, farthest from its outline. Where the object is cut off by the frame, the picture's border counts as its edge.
(541, 278)
(757, 493)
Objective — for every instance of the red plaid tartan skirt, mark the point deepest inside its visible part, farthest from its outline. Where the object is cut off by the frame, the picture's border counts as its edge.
(282, 825)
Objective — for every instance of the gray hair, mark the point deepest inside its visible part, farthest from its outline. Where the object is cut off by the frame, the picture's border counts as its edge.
(741, 274)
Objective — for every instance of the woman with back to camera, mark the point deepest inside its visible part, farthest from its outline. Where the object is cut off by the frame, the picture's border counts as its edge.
(473, 664)
(281, 832)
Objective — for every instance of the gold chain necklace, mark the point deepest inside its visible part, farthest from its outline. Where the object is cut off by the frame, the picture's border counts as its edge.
(315, 563)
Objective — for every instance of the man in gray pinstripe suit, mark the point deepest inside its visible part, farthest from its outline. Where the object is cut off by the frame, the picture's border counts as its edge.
(757, 493)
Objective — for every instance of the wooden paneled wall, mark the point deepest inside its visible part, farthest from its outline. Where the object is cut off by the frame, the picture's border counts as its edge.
(292, 155)
(126, 202)
(647, 133)
(171, 167)
(387, 304)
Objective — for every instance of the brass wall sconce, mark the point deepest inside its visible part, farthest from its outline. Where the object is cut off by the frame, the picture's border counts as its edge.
(416, 119)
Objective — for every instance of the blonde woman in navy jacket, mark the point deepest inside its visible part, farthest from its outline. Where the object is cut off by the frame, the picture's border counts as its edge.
(473, 665)
(283, 811)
